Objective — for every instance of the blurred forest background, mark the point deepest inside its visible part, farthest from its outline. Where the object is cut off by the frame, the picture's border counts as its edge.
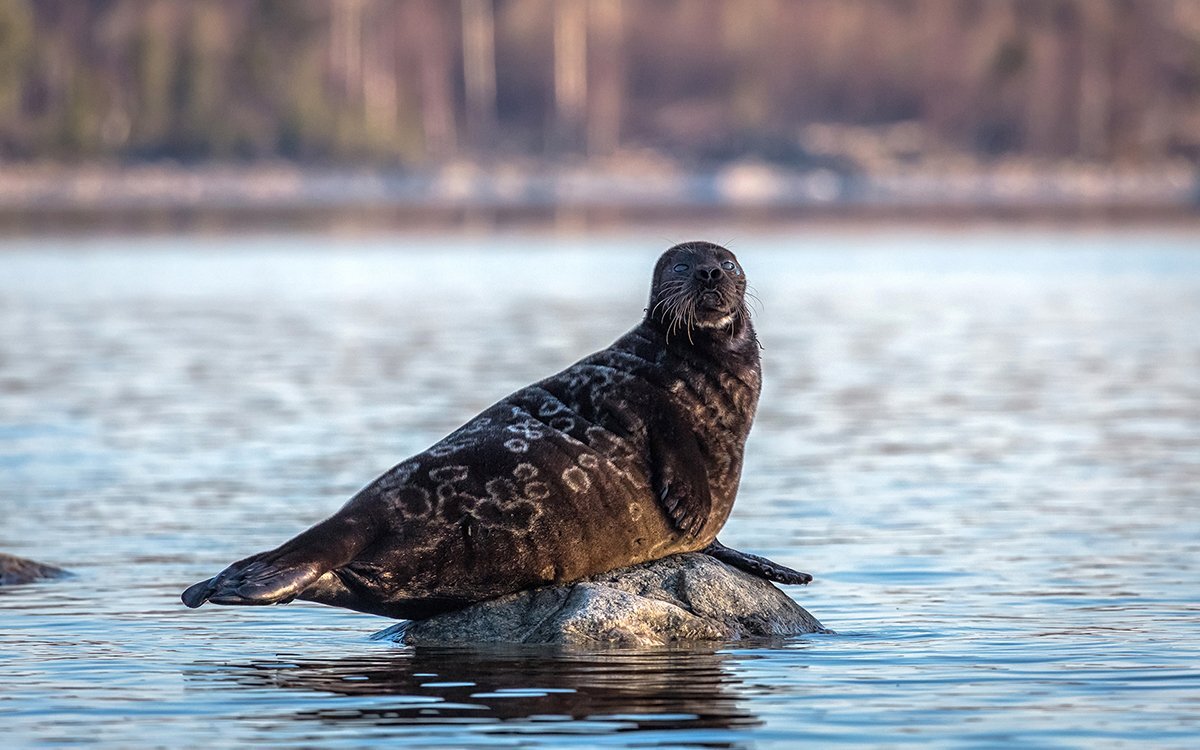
(1093, 97)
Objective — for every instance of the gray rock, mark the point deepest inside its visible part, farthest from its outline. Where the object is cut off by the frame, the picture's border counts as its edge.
(689, 597)
(14, 570)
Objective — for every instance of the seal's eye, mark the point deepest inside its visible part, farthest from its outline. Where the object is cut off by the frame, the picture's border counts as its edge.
(681, 267)
(729, 266)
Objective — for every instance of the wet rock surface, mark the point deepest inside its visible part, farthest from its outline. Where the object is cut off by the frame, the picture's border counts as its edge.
(15, 570)
(688, 597)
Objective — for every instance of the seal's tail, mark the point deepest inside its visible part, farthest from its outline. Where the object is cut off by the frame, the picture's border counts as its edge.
(282, 574)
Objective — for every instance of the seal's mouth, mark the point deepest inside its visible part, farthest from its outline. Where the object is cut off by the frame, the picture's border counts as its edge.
(692, 306)
(716, 296)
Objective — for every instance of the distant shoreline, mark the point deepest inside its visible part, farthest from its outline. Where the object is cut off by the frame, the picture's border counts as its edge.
(171, 197)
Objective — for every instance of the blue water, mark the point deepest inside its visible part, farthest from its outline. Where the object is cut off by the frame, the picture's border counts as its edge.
(984, 443)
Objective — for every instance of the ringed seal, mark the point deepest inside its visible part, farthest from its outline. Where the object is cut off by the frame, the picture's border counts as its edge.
(629, 455)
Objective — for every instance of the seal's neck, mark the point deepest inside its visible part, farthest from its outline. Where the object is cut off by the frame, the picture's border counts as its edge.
(733, 336)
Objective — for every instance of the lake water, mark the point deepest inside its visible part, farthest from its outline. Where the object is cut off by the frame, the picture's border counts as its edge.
(984, 444)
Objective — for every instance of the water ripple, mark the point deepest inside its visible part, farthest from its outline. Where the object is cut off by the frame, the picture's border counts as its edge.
(984, 445)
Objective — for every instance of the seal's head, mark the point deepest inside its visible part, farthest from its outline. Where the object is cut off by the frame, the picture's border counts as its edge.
(698, 286)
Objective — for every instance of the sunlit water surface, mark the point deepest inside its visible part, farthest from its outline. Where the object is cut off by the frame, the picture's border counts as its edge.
(984, 444)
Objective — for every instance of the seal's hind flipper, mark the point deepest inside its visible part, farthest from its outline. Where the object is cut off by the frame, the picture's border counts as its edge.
(267, 578)
(755, 565)
(282, 574)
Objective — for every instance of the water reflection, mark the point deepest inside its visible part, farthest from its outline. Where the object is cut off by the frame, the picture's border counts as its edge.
(609, 691)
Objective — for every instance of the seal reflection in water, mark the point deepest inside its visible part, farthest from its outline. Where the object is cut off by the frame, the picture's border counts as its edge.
(631, 454)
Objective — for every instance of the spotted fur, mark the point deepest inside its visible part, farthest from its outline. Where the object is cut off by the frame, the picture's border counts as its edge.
(630, 454)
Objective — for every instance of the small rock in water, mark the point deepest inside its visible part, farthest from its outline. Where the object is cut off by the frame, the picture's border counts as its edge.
(14, 570)
(687, 597)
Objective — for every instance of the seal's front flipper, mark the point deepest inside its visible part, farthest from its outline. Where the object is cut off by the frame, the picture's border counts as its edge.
(755, 565)
(680, 480)
(686, 502)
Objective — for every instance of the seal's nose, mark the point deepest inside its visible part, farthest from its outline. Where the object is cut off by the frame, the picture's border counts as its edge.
(708, 274)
